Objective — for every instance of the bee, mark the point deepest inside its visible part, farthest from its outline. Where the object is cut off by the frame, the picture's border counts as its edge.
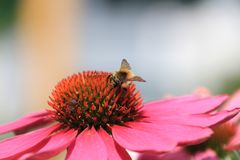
(124, 76)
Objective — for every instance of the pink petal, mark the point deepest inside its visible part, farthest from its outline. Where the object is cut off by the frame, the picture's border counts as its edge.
(233, 102)
(177, 133)
(38, 114)
(34, 126)
(88, 146)
(115, 151)
(206, 155)
(176, 154)
(202, 120)
(180, 154)
(53, 145)
(178, 106)
(143, 139)
(26, 122)
(15, 146)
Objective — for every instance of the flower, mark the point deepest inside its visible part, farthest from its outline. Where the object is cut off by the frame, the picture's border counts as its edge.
(222, 143)
(94, 120)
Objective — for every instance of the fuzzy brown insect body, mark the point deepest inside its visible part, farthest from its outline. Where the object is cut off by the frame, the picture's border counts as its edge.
(124, 76)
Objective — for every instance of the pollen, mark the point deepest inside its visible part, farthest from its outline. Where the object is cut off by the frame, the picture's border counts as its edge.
(88, 99)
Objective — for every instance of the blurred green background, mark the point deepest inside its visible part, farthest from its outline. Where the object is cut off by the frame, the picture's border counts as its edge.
(8, 14)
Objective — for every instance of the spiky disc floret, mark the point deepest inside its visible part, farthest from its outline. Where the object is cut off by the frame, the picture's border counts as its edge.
(88, 99)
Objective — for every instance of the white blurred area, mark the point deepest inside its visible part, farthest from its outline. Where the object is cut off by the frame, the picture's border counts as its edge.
(174, 47)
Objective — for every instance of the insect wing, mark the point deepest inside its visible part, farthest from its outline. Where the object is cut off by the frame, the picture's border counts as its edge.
(125, 65)
(137, 78)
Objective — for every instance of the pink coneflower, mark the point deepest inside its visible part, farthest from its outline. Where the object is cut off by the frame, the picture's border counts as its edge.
(95, 121)
(223, 143)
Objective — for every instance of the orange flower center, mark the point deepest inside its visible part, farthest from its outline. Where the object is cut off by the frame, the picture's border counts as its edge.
(88, 99)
